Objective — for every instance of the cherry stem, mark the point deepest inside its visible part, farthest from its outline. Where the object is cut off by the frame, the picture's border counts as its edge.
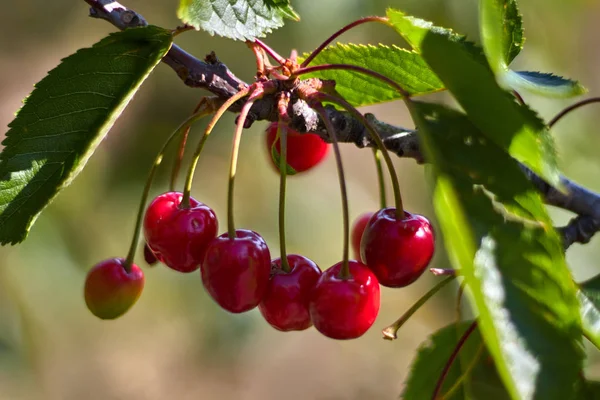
(181, 152)
(185, 201)
(270, 51)
(453, 356)
(380, 178)
(180, 29)
(282, 133)
(356, 68)
(459, 296)
(464, 375)
(338, 33)
(345, 270)
(235, 148)
(518, 97)
(443, 271)
(391, 332)
(157, 161)
(380, 146)
(573, 107)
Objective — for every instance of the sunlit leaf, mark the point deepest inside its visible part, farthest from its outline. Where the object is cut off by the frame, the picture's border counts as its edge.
(463, 69)
(65, 118)
(406, 68)
(236, 19)
(511, 258)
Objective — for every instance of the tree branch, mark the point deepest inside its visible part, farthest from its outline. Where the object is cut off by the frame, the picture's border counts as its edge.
(214, 76)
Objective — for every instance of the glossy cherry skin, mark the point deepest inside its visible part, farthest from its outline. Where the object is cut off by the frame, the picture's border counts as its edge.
(149, 255)
(285, 303)
(345, 308)
(110, 291)
(179, 236)
(236, 271)
(398, 251)
(304, 150)
(358, 228)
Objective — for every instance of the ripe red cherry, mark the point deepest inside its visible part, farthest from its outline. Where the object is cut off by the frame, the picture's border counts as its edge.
(358, 229)
(179, 236)
(149, 255)
(285, 304)
(398, 251)
(304, 151)
(235, 271)
(345, 308)
(110, 290)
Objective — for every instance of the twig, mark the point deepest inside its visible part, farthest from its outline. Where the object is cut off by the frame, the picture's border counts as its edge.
(580, 229)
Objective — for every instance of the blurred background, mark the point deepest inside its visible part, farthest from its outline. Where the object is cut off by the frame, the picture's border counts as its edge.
(176, 342)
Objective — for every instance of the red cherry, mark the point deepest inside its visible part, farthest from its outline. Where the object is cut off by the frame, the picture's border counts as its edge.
(179, 236)
(235, 271)
(149, 255)
(398, 252)
(110, 290)
(345, 308)
(285, 304)
(304, 151)
(358, 229)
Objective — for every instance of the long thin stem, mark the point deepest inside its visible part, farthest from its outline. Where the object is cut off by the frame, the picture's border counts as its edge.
(345, 271)
(181, 151)
(282, 131)
(270, 51)
(380, 178)
(338, 33)
(391, 332)
(464, 375)
(572, 107)
(185, 202)
(453, 356)
(375, 136)
(350, 67)
(235, 148)
(157, 161)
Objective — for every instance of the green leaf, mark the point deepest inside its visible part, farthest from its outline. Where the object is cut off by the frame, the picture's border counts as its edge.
(589, 298)
(276, 158)
(65, 118)
(464, 71)
(591, 390)
(236, 19)
(471, 376)
(404, 67)
(510, 256)
(543, 84)
(502, 37)
(286, 9)
(501, 32)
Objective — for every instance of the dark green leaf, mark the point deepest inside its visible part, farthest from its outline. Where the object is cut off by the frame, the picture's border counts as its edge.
(471, 376)
(65, 118)
(236, 19)
(464, 71)
(510, 256)
(404, 67)
(591, 390)
(543, 84)
(501, 32)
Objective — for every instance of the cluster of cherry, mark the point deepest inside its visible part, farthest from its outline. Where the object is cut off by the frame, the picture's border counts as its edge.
(237, 270)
